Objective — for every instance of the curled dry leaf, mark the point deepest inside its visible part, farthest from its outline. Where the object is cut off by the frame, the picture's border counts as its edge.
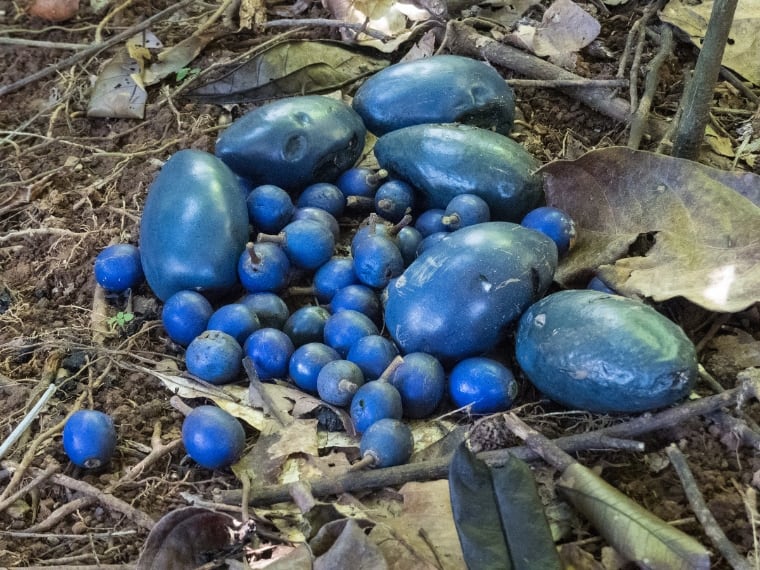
(54, 10)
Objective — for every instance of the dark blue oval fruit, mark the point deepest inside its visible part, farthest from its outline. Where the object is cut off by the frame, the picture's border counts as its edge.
(604, 353)
(118, 268)
(213, 438)
(89, 438)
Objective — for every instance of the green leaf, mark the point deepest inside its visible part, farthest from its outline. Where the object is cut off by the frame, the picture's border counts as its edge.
(499, 516)
(705, 223)
(290, 68)
(633, 531)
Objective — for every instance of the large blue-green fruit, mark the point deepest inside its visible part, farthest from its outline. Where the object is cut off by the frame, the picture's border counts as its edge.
(444, 160)
(293, 142)
(194, 226)
(458, 298)
(604, 353)
(438, 89)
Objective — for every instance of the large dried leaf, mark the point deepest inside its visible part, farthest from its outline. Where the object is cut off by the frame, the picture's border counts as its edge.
(119, 92)
(180, 539)
(352, 549)
(635, 532)
(741, 50)
(175, 58)
(290, 68)
(704, 222)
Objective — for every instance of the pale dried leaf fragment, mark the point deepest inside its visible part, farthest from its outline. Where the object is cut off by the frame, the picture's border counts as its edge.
(119, 91)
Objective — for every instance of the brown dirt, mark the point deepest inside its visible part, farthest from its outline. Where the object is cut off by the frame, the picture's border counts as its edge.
(70, 185)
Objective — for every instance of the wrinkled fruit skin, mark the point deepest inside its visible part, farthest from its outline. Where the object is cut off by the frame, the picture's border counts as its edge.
(212, 437)
(194, 226)
(438, 89)
(89, 438)
(459, 296)
(293, 142)
(444, 160)
(604, 353)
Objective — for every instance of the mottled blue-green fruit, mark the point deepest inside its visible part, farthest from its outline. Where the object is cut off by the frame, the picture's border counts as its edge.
(458, 298)
(194, 226)
(438, 89)
(444, 160)
(604, 353)
(293, 142)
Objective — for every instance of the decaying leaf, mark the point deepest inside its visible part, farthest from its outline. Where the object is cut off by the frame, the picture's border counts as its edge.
(290, 68)
(177, 57)
(740, 53)
(352, 549)
(706, 232)
(119, 91)
(634, 532)
(180, 539)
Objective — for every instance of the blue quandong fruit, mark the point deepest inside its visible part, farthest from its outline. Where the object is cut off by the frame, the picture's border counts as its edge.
(604, 353)
(293, 142)
(194, 226)
(444, 160)
(438, 89)
(458, 297)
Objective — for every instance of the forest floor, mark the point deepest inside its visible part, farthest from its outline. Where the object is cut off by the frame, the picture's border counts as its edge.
(71, 185)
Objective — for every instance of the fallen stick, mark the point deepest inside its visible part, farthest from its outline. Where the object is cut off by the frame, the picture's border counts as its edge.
(438, 468)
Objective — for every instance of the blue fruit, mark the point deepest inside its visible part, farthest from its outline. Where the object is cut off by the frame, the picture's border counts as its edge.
(118, 268)
(318, 215)
(393, 199)
(421, 381)
(215, 357)
(89, 438)
(604, 353)
(375, 401)
(308, 244)
(598, 285)
(337, 273)
(307, 361)
(372, 354)
(438, 89)
(465, 210)
(269, 208)
(325, 196)
(360, 181)
(458, 298)
(441, 161)
(194, 226)
(377, 260)
(270, 309)
(360, 298)
(388, 441)
(270, 351)
(338, 381)
(409, 240)
(212, 437)
(185, 315)
(554, 223)
(431, 222)
(293, 142)
(306, 325)
(235, 319)
(344, 328)
(483, 384)
(263, 267)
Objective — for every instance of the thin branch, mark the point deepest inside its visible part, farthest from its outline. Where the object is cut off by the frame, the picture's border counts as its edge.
(326, 23)
(41, 44)
(580, 82)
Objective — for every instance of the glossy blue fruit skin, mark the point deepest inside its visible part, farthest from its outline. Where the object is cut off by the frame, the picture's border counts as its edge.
(325, 196)
(118, 268)
(333, 276)
(193, 227)
(235, 319)
(372, 354)
(185, 315)
(306, 325)
(375, 401)
(430, 222)
(270, 351)
(465, 210)
(271, 310)
(358, 181)
(438, 89)
(293, 142)
(214, 356)
(553, 222)
(604, 353)
(344, 328)
(357, 297)
(212, 437)
(270, 271)
(458, 298)
(308, 244)
(318, 215)
(409, 240)
(377, 260)
(393, 199)
(338, 381)
(89, 438)
(421, 381)
(431, 240)
(442, 161)
(307, 361)
(483, 384)
(269, 208)
(388, 441)
(598, 285)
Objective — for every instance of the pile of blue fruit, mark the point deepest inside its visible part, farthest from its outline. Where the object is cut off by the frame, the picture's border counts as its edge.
(452, 259)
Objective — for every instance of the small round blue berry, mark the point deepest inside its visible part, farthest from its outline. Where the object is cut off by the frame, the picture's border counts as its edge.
(270, 351)
(185, 316)
(555, 224)
(89, 438)
(118, 267)
(214, 356)
(213, 438)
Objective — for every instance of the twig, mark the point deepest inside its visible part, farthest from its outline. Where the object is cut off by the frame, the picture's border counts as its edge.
(93, 50)
(581, 82)
(43, 476)
(438, 468)
(698, 95)
(26, 422)
(638, 120)
(256, 385)
(157, 451)
(636, 63)
(61, 513)
(41, 44)
(324, 22)
(705, 517)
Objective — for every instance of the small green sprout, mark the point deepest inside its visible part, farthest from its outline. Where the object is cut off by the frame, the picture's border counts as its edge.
(120, 320)
(187, 73)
